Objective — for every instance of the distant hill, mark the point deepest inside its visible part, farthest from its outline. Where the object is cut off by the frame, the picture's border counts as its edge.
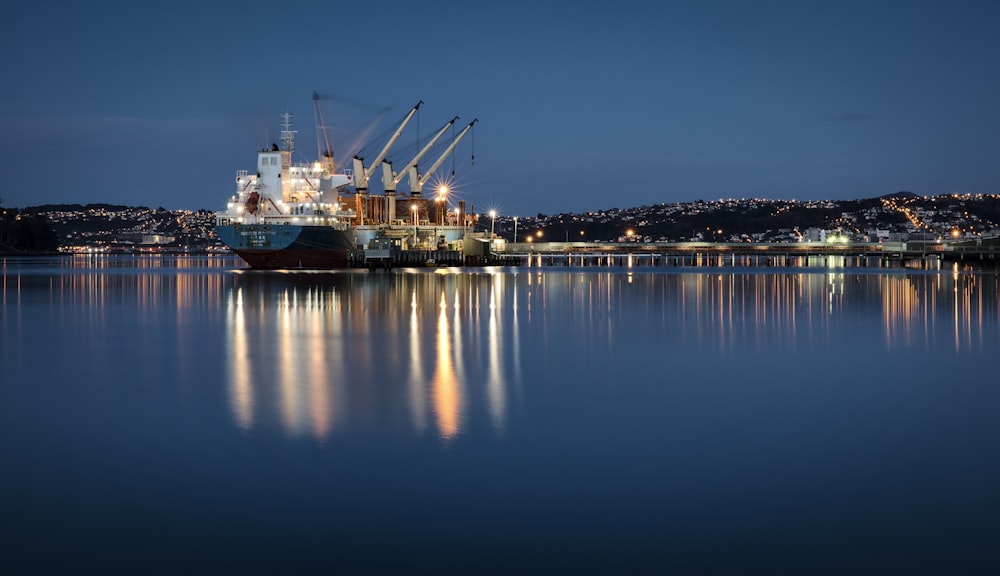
(898, 215)
(45, 208)
(899, 196)
(52, 227)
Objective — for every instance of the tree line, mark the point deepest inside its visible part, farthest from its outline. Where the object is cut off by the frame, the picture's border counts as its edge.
(21, 233)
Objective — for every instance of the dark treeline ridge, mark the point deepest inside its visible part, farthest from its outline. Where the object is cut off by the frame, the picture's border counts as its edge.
(26, 232)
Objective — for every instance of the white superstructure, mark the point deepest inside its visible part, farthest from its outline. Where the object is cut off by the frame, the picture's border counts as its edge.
(283, 192)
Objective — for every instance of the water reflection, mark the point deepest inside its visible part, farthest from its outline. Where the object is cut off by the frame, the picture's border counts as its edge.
(442, 353)
(447, 392)
(241, 392)
(445, 349)
(359, 340)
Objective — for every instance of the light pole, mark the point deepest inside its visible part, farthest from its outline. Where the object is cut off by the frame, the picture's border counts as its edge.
(493, 219)
(442, 202)
(416, 234)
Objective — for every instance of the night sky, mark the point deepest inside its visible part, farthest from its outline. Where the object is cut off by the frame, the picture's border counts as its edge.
(581, 107)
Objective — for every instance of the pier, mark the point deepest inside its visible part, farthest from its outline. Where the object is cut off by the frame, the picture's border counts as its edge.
(923, 255)
(928, 255)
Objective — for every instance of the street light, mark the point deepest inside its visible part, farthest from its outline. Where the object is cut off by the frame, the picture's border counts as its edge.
(413, 208)
(493, 219)
(442, 200)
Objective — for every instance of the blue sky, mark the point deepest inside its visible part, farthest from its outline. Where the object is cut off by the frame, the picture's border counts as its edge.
(580, 108)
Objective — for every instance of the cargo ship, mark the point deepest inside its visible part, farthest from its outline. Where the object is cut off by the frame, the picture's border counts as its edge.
(308, 215)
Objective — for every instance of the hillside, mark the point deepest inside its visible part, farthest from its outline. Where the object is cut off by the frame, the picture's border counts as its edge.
(895, 216)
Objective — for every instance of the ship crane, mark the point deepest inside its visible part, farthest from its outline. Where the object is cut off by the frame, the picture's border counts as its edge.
(361, 174)
(322, 139)
(391, 179)
(418, 180)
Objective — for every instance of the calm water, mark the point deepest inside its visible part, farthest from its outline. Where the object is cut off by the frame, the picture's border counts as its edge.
(182, 415)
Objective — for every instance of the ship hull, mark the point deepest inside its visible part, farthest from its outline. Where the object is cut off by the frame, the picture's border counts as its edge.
(284, 246)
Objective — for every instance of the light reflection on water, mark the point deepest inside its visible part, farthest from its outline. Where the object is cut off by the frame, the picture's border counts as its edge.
(334, 347)
(339, 339)
(437, 350)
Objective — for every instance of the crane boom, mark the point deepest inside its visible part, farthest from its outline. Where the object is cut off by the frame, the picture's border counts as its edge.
(417, 180)
(361, 174)
(324, 149)
(390, 179)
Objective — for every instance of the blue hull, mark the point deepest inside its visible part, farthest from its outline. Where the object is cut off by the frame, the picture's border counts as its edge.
(275, 247)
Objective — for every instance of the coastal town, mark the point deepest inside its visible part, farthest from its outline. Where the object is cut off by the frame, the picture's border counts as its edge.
(110, 228)
(899, 217)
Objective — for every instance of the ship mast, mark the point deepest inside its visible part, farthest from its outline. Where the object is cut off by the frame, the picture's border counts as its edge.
(287, 135)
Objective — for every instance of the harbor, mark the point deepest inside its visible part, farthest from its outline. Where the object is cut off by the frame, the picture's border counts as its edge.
(291, 214)
(287, 214)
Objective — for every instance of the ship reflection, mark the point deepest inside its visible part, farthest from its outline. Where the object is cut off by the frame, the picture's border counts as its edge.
(312, 353)
(447, 390)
